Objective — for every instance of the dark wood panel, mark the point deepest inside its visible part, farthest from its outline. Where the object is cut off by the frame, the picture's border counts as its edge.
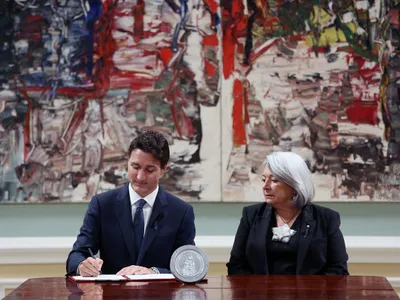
(217, 287)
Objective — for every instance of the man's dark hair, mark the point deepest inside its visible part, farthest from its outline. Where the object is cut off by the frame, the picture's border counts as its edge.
(152, 142)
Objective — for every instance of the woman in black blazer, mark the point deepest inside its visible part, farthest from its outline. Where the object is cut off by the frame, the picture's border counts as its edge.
(287, 234)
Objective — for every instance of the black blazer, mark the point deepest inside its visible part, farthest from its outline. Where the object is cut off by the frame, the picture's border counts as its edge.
(322, 250)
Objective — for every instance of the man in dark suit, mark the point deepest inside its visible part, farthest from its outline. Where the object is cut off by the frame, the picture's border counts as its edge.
(138, 226)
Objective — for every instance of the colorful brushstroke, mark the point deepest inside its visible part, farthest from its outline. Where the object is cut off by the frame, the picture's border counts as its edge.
(80, 78)
(317, 78)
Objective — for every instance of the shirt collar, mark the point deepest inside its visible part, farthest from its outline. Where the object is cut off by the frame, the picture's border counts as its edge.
(150, 198)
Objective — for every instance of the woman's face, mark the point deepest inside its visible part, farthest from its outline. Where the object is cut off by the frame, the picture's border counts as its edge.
(276, 193)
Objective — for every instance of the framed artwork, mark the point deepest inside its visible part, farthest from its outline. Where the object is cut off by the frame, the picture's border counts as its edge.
(226, 82)
(317, 78)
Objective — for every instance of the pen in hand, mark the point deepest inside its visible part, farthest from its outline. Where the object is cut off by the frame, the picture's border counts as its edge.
(94, 257)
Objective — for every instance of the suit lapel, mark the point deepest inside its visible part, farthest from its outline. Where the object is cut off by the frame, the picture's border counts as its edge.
(261, 228)
(307, 230)
(123, 211)
(153, 226)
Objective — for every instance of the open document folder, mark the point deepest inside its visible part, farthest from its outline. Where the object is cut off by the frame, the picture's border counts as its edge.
(110, 277)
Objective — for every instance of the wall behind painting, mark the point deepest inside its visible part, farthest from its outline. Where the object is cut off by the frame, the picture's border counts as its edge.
(364, 219)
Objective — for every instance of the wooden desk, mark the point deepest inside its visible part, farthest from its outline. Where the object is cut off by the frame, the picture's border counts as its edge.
(217, 287)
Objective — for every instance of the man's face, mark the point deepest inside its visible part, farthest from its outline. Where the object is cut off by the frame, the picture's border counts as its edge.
(144, 172)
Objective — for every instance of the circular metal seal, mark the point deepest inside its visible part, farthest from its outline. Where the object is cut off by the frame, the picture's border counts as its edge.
(189, 264)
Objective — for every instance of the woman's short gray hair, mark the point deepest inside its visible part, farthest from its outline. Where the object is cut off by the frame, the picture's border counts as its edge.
(291, 169)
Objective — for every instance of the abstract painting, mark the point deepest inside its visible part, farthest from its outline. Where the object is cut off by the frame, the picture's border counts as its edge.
(319, 78)
(80, 78)
(227, 82)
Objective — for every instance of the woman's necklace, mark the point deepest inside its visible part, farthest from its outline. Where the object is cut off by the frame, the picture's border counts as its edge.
(283, 233)
(291, 218)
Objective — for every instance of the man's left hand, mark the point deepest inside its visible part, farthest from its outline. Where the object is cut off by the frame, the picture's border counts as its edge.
(135, 270)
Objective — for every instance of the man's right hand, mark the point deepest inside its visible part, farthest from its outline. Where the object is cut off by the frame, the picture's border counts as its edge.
(90, 267)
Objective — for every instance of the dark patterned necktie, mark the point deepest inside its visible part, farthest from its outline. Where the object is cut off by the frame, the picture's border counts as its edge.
(138, 224)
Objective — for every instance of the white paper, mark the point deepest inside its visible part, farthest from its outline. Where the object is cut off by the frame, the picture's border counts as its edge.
(151, 277)
(101, 277)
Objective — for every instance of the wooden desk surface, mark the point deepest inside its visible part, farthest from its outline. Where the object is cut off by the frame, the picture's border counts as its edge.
(217, 287)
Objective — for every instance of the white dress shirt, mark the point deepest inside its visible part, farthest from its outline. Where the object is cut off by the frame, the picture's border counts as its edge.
(147, 208)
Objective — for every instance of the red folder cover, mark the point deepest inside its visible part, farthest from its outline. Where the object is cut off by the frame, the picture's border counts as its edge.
(122, 278)
(111, 277)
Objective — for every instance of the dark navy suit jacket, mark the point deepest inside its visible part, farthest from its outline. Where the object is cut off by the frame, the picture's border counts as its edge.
(108, 228)
(321, 251)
